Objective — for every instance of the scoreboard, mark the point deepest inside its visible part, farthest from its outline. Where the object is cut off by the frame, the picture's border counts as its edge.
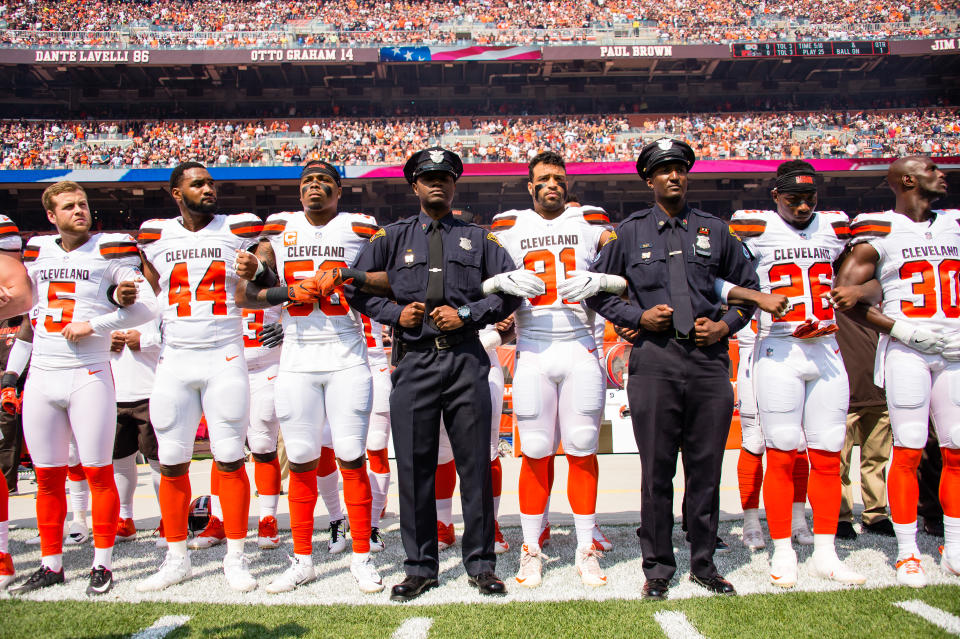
(794, 49)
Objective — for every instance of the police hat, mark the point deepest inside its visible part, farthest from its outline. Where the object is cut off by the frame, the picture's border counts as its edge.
(662, 151)
(432, 159)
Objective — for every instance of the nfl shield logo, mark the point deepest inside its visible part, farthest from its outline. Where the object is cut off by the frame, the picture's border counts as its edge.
(928, 235)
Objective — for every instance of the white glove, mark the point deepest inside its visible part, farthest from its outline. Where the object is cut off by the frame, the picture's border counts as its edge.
(519, 283)
(951, 347)
(580, 285)
(918, 338)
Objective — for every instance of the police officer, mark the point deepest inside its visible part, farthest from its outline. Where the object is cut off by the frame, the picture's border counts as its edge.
(679, 386)
(436, 265)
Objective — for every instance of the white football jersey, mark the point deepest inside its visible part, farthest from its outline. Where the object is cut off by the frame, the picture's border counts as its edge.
(327, 335)
(551, 249)
(71, 286)
(373, 336)
(256, 354)
(197, 278)
(9, 235)
(918, 267)
(794, 262)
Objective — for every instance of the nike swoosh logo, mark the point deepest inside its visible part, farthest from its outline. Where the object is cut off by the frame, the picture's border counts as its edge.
(592, 350)
(271, 378)
(384, 370)
(230, 359)
(93, 372)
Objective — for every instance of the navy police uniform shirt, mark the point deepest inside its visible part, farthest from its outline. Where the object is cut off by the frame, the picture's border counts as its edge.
(470, 255)
(639, 253)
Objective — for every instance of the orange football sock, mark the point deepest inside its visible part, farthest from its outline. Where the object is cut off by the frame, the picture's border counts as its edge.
(75, 473)
(824, 490)
(358, 500)
(903, 491)
(582, 484)
(445, 481)
(327, 465)
(496, 476)
(551, 462)
(51, 508)
(749, 479)
(950, 482)
(379, 461)
(534, 488)
(267, 476)
(105, 504)
(174, 498)
(778, 492)
(303, 501)
(214, 480)
(235, 502)
(801, 474)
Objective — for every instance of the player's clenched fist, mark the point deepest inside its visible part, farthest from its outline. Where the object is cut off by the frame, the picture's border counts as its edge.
(246, 264)
(446, 318)
(76, 331)
(412, 315)
(331, 279)
(304, 291)
(126, 292)
(656, 319)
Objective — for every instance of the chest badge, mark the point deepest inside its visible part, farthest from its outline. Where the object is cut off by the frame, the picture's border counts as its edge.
(703, 242)
(408, 257)
(289, 238)
(466, 244)
(645, 255)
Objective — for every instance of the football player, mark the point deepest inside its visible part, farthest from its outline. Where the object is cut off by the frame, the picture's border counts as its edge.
(914, 252)
(799, 379)
(16, 294)
(86, 287)
(188, 260)
(324, 380)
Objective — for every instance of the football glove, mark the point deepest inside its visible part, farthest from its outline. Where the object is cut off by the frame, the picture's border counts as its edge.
(271, 335)
(519, 283)
(304, 291)
(10, 402)
(811, 329)
(580, 285)
(918, 338)
(951, 347)
(330, 280)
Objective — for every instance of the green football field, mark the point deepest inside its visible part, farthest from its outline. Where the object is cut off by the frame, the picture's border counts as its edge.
(848, 613)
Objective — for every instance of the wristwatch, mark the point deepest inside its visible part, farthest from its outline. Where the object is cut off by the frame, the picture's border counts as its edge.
(464, 313)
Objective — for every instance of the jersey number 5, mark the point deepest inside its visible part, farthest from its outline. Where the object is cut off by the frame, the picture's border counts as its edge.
(212, 288)
(56, 303)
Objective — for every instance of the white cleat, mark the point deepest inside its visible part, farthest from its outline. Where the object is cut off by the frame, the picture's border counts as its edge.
(829, 566)
(588, 567)
(783, 568)
(753, 538)
(600, 541)
(802, 535)
(236, 568)
(910, 572)
(173, 570)
(368, 579)
(530, 574)
(338, 536)
(949, 562)
(6, 580)
(297, 574)
(376, 540)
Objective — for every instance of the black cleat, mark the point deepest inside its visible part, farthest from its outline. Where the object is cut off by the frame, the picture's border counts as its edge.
(101, 581)
(42, 578)
(882, 527)
(845, 530)
(656, 589)
(933, 526)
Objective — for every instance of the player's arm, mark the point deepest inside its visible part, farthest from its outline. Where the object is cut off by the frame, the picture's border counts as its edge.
(611, 260)
(265, 289)
(140, 311)
(376, 283)
(17, 360)
(374, 258)
(150, 273)
(16, 293)
(772, 303)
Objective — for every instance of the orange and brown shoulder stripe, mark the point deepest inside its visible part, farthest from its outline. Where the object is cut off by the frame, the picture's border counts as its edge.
(31, 252)
(870, 227)
(149, 234)
(364, 229)
(117, 250)
(247, 228)
(747, 226)
(274, 225)
(503, 222)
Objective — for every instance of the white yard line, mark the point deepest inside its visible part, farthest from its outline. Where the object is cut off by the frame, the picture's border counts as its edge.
(676, 625)
(939, 618)
(413, 628)
(162, 627)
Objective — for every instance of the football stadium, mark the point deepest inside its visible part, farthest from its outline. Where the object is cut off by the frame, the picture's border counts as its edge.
(279, 156)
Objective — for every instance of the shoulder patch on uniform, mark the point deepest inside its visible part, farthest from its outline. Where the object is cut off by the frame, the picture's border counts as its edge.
(246, 226)
(364, 229)
(868, 227)
(842, 229)
(380, 233)
(599, 218)
(119, 249)
(610, 238)
(493, 238)
(748, 227)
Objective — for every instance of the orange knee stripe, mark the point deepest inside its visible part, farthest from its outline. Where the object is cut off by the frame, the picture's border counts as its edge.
(534, 489)
(749, 479)
(105, 504)
(582, 484)
(328, 462)
(446, 480)
(235, 502)
(358, 500)
(303, 501)
(51, 508)
(496, 476)
(174, 500)
(824, 490)
(903, 491)
(379, 461)
(267, 476)
(801, 475)
(778, 491)
(950, 482)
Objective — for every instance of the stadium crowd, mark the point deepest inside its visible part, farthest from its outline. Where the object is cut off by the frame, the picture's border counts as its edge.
(237, 23)
(786, 135)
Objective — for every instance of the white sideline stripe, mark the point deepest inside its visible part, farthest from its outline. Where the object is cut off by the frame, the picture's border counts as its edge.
(676, 625)
(937, 617)
(162, 627)
(413, 628)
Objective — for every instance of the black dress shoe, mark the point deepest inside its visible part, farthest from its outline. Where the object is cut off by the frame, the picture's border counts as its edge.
(656, 589)
(883, 527)
(715, 584)
(845, 530)
(488, 584)
(412, 587)
(933, 527)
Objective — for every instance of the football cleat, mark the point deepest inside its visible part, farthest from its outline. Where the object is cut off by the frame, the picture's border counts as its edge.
(588, 567)
(910, 572)
(268, 536)
(7, 573)
(161, 537)
(600, 541)
(101, 581)
(948, 561)
(42, 578)
(173, 570)
(210, 536)
(78, 533)
(338, 536)
(500, 544)
(828, 566)
(783, 568)
(446, 536)
(376, 540)
(236, 568)
(801, 534)
(530, 574)
(299, 572)
(753, 538)
(544, 539)
(368, 579)
(126, 530)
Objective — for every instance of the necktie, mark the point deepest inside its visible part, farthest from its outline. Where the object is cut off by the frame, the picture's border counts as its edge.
(679, 289)
(435, 274)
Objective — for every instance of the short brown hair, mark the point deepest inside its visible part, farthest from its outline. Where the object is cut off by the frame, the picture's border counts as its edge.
(56, 189)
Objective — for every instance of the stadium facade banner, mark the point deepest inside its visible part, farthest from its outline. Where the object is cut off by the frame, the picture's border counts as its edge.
(457, 54)
(637, 51)
(185, 57)
(484, 169)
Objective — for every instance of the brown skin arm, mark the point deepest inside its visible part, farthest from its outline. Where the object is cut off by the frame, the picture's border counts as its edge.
(16, 294)
(774, 304)
(151, 274)
(377, 284)
(859, 268)
(248, 294)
